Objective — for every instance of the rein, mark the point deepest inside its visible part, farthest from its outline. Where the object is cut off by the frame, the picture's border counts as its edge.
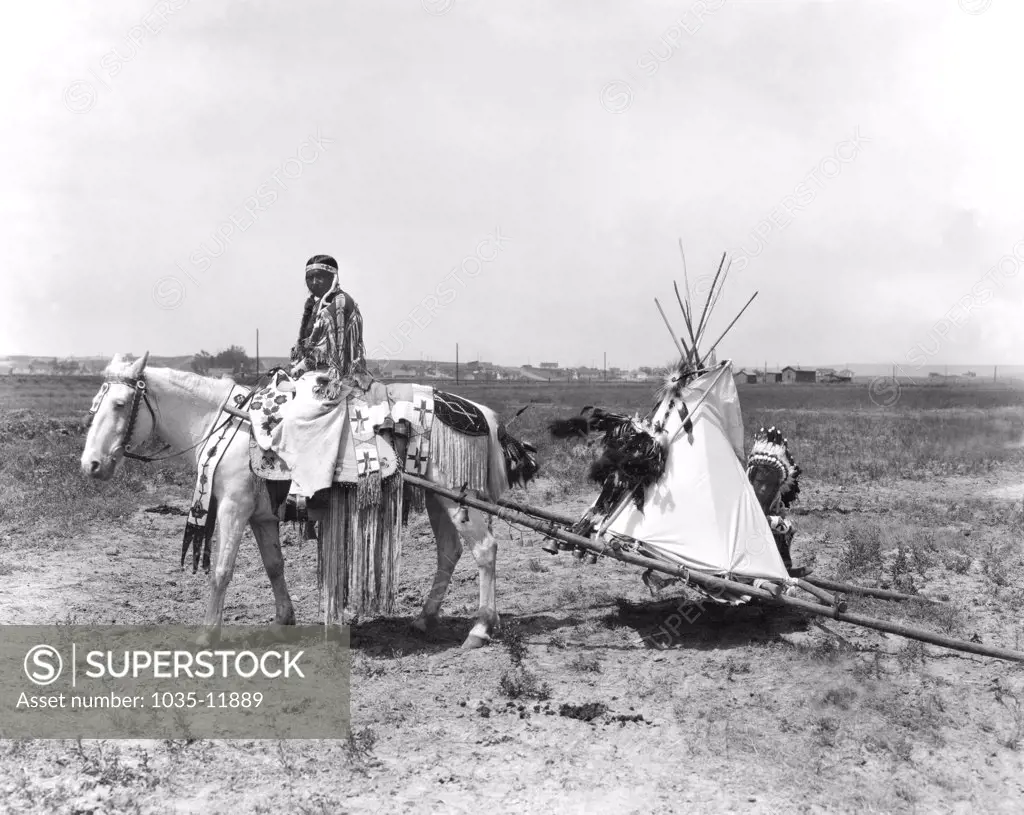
(140, 396)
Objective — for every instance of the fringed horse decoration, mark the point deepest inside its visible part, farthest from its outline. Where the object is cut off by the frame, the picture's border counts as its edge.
(196, 414)
(775, 477)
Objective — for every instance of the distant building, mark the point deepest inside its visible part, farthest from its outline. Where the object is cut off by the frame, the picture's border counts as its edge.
(744, 377)
(791, 375)
(768, 376)
(549, 365)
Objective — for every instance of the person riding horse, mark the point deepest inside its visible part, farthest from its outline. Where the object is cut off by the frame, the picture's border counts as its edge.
(331, 332)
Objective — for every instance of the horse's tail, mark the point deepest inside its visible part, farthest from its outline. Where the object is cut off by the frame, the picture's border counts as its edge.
(520, 458)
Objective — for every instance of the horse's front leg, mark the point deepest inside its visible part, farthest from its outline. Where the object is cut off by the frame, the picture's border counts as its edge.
(232, 516)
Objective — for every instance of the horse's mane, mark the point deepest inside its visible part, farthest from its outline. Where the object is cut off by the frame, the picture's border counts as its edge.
(187, 381)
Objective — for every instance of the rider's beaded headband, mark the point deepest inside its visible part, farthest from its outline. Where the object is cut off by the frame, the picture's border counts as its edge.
(320, 267)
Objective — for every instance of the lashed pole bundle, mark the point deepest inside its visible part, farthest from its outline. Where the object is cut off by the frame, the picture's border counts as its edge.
(690, 354)
(713, 585)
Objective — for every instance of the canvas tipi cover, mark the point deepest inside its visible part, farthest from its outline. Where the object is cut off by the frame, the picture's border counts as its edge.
(703, 513)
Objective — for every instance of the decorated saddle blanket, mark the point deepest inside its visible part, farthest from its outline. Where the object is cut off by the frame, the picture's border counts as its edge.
(460, 414)
(297, 436)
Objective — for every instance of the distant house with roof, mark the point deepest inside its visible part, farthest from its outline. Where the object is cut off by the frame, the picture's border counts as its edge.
(745, 377)
(792, 375)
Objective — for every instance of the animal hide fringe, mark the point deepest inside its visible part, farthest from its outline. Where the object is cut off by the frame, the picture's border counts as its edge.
(413, 500)
(333, 550)
(360, 550)
(200, 535)
(369, 489)
(459, 460)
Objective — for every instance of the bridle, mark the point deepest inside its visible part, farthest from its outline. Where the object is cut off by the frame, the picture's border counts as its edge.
(140, 396)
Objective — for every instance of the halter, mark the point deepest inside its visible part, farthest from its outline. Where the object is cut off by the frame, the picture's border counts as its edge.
(140, 396)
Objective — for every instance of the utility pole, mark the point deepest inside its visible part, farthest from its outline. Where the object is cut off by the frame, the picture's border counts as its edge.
(257, 352)
(995, 372)
(605, 376)
(456, 363)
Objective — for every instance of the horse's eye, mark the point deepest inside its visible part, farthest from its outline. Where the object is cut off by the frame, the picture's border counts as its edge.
(119, 403)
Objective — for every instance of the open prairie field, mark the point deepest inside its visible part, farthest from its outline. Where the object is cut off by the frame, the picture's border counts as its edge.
(596, 697)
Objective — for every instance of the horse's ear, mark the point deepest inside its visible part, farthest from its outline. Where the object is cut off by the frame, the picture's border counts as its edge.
(139, 365)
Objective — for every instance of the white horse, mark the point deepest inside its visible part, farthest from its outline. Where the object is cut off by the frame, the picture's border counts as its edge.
(182, 408)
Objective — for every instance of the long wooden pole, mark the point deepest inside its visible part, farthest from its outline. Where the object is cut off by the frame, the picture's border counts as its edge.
(751, 300)
(715, 585)
(820, 582)
(867, 591)
(695, 359)
(707, 303)
(683, 354)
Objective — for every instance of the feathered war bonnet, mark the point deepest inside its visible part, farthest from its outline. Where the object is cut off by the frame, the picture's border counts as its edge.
(771, 449)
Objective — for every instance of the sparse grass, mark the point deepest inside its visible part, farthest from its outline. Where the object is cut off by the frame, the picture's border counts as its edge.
(862, 551)
(519, 682)
(40, 471)
(841, 697)
(900, 572)
(957, 563)
(583, 663)
(998, 563)
(570, 595)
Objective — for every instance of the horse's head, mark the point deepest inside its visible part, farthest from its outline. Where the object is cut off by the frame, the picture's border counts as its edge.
(773, 473)
(118, 418)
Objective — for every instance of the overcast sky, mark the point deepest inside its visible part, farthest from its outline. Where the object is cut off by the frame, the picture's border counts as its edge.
(522, 170)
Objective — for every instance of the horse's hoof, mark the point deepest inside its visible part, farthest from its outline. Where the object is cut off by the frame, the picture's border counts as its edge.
(286, 619)
(207, 638)
(424, 625)
(473, 642)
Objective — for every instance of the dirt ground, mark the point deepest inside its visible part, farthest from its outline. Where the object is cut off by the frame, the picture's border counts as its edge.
(596, 699)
